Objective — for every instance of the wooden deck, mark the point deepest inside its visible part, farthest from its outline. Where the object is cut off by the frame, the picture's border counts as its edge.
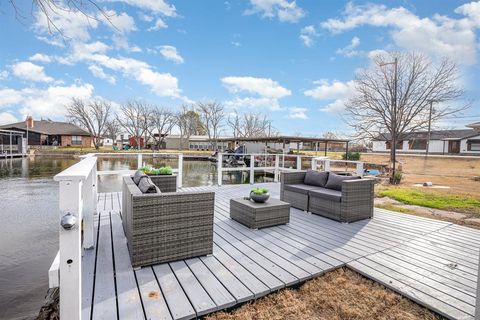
(432, 262)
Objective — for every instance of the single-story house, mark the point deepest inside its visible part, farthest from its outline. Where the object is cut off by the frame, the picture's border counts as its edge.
(51, 133)
(461, 141)
(195, 142)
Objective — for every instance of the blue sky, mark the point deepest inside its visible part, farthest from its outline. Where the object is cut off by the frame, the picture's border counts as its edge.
(292, 60)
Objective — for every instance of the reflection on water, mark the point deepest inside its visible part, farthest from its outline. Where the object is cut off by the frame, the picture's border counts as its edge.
(29, 218)
(28, 232)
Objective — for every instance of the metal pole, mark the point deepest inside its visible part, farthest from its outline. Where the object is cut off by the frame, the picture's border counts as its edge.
(429, 127)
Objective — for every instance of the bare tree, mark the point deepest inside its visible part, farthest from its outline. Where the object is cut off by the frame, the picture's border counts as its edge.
(394, 96)
(93, 116)
(250, 125)
(113, 129)
(212, 115)
(188, 121)
(161, 120)
(132, 118)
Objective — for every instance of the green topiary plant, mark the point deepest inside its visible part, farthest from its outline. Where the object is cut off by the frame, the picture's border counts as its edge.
(167, 170)
(259, 190)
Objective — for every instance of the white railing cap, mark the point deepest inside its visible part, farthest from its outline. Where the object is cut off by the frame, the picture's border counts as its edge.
(79, 171)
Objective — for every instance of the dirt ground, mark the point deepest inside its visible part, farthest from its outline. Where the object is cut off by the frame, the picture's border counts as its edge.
(339, 294)
(456, 173)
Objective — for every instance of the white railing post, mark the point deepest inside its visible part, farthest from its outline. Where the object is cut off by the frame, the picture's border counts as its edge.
(252, 169)
(314, 164)
(299, 162)
(326, 166)
(277, 165)
(180, 170)
(360, 169)
(219, 168)
(70, 250)
(139, 161)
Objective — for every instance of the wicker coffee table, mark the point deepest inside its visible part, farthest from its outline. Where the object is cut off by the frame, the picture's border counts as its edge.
(259, 215)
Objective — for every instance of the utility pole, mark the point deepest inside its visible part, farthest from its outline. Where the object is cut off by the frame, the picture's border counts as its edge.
(429, 127)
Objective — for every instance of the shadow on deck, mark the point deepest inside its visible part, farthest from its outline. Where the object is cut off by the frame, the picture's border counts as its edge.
(432, 262)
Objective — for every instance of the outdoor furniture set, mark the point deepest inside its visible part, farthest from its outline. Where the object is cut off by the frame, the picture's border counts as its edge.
(163, 225)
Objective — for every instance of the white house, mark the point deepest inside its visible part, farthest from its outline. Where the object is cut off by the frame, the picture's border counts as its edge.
(463, 141)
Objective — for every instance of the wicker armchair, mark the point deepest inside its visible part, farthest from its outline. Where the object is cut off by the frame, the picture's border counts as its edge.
(163, 227)
(354, 202)
(166, 183)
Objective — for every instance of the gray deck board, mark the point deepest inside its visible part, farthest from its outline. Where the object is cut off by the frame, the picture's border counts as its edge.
(434, 263)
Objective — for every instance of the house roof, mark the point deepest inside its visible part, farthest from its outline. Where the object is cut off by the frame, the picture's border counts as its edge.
(475, 125)
(49, 127)
(435, 135)
(285, 138)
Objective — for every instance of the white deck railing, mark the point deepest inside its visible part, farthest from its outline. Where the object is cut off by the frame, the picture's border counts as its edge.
(325, 164)
(77, 202)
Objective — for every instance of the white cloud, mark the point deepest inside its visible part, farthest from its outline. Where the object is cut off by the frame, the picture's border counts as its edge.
(122, 22)
(50, 102)
(9, 97)
(40, 57)
(146, 17)
(335, 93)
(100, 73)
(349, 50)
(374, 53)
(284, 10)
(121, 42)
(3, 75)
(297, 113)
(267, 92)
(28, 71)
(159, 24)
(156, 6)
(261, 86)
(170, 53)
(6, 118)
(308, 35)
(437, 36)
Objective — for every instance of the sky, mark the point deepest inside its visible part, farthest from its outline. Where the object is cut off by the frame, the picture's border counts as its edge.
(294, 61)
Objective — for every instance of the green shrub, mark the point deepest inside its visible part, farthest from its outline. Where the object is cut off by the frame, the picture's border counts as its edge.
(259, 190)
(355, 156)
(167, 170)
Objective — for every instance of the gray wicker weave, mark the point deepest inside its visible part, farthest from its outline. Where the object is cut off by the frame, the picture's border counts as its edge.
(260, 215)
(356, 202)
(163, 227)
(296, 200)
(166, 183)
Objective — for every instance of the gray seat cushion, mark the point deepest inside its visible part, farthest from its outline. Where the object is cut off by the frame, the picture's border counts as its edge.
(299, 188)
(138, 175)
(334, 181)
(315, 178)
(146, 185)
(327, 194)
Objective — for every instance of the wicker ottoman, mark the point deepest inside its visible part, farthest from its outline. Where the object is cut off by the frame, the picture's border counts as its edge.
(259, 215)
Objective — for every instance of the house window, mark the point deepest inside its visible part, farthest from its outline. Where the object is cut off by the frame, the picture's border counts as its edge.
(76, 140)
(399, 145)
(473, 145)
(417, 144)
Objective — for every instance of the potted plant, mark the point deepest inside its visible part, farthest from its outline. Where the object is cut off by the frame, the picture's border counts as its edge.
(259, 195)
(162, 177)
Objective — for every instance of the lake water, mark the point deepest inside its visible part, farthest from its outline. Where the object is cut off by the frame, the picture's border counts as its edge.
(29, 219)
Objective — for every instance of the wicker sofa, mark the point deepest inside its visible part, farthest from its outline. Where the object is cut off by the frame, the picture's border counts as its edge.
(353, 202)
(166, 226)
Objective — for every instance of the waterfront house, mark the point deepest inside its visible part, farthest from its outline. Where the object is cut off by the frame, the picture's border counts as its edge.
(459, 142)
(51, 133)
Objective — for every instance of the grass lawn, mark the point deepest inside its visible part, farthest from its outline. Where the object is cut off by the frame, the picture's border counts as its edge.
(432, 198)
(339, 294)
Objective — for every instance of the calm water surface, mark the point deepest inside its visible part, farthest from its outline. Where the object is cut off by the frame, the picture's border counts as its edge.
(29, 219)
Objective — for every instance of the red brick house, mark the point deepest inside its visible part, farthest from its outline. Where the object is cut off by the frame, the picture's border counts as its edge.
(52, 133)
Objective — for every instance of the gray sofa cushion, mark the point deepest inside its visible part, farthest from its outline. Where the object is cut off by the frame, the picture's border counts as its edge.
(138, 175)
(327, 194)
(299, 188)
(315, 178)
(146, 185)
(334, 181)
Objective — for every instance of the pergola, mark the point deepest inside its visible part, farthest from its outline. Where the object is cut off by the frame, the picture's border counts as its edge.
(288, 140)
(9, 135)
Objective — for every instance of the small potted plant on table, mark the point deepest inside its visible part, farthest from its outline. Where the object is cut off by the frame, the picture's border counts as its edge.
(259, 195)
(162, 177)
